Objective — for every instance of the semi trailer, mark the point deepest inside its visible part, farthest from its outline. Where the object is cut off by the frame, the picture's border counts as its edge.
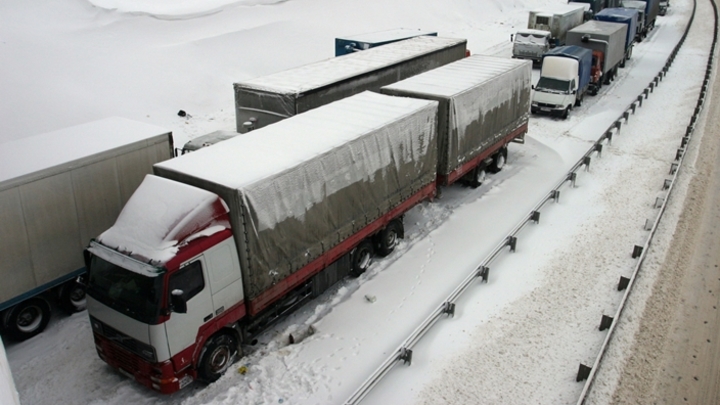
(219, 243)
(267, 99)
(362, 42)
(484, 105)
(57, 191)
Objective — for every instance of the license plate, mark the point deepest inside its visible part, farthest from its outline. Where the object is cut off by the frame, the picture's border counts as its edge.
(544, 108)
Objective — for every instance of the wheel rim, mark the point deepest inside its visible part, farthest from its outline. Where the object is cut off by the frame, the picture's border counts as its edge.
(77, 297)
(480, 176)
(391, 239)
(219, 359)
(29, 319)
(363, 259)
(500, 161)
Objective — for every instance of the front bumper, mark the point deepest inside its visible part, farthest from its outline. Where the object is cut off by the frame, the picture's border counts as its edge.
(160, 377)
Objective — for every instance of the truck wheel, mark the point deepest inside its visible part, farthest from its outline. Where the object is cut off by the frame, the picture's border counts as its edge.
(72, 297)
(498, 160)
(360, 258)
(26, 319)
(565, 113)
(217, 355)
(478, 177)
(387, 239)
(578, 101)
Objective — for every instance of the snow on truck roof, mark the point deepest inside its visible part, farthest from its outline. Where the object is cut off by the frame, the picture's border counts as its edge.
(598, 27)
(387, 35)
(40, 152)
(561, 8)
(262, 153)
(459, 76)
(333, 70)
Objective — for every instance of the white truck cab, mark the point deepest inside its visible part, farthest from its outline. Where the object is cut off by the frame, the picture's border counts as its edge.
(555, 92)
(530, 44)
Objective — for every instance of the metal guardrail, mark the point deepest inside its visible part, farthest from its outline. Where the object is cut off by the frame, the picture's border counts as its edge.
(447, 307)
(639, 252)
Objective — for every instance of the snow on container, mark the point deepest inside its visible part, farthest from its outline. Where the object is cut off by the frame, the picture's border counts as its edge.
(304, 185)
(363, 42)
(267, 99)
(484, 104)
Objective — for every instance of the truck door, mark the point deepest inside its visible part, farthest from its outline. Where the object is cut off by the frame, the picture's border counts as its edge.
(182, 329)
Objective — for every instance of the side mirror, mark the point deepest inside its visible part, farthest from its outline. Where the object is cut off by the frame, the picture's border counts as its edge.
(177, 301)
(511, 37)
(532, 86)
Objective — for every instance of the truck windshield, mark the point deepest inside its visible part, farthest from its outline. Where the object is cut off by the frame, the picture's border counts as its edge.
(130, 293)
(553, 85)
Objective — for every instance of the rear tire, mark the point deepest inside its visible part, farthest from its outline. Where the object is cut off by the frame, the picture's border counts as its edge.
(498, 160)
(72, 297)
(478, 177)
(360, 258)
(26, 319)
(387, 239)
(217, 355)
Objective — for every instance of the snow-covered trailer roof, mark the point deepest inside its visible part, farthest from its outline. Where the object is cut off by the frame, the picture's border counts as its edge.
(353, 43)
(42, 155)
(301, 186)
(280, 95)
(482, 99)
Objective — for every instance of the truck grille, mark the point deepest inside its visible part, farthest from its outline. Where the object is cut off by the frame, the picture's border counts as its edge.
(120, 339)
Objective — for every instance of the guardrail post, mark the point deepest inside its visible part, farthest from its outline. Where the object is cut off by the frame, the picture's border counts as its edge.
(646, 92)
(623, 283)
(639, 100)
(571, 177)
(535, 217)
(666, 184)
(583, 373)
(679, 153)
(449, 308)
(512, 242)
(555, 195)
(598, 149)
(618, 124)
(673, 168)
(586, 162)
(483, 273)
(626, 115)
(648, 224)
(405, 355)
(637, 251)
(659, 202)
(605, 322)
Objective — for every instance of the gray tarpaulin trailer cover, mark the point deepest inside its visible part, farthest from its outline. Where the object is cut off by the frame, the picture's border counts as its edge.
(483, 99)
(271, 98)
(306, 184)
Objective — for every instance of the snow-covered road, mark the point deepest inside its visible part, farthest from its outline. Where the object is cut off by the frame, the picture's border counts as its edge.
(516, 340)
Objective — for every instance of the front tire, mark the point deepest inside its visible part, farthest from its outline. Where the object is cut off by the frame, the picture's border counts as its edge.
(26, 319)
(218, 354)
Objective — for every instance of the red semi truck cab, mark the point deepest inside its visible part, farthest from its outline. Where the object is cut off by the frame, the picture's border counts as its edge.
(186, 256)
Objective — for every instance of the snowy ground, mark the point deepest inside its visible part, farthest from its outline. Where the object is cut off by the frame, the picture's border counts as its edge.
(516, 340)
